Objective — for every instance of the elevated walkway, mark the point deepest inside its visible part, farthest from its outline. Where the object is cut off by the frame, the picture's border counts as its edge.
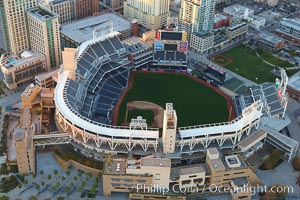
(252, 140)
(51, 139)
(282, 142)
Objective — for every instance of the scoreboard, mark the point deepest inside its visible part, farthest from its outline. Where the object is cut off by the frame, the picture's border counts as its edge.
(171, 35)
(171, 41)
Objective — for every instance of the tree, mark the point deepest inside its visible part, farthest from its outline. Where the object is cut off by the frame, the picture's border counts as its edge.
(53, 188)
(63, 178)
(32, 197)
(80, 189)
(33, 176)
(296, 164)
(60, 198)
(67, 189)
(55, 172)
(83, 183)
(75, 178)
(68, 172)
(41, 172)
(38, 111)
(4, 198)
(79, 173)
(43, 183)
(49, 177)
(57, 184)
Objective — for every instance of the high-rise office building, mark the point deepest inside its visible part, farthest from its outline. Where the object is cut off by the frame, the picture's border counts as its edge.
(15, 12)
(4, 27)
(64, 9)
(44, 34)
(152, 14)
(197, 15)
(70, 10)
(85, 8)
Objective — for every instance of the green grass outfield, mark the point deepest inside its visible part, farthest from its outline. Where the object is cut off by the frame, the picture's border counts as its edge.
(247, 64)
(194, 102)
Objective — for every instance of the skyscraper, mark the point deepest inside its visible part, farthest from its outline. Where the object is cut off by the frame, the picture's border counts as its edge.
(197, 15)
(3, 21)
(44, 34)
(152, 14)
(15, 12)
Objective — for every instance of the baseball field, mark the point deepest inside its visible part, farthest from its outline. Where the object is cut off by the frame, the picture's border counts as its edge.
(194, 102)
(244, 61)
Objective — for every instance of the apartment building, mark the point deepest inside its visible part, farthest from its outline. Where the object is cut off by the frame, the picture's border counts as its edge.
(270, 42)
(15, 12)
(17, 70)
(197, 16)
(121, 175)
(25, 151)
(152, 14)
(115, 5)
(293, 87)
(155, 176)
(289, 29)
(64, 9)
(238, 11)
(47, 79)
(44, 35)
(236, 30)
(201, 41)
(3, 22)
(268, 2)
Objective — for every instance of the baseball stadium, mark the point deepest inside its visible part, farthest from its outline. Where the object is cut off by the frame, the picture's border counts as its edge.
(109, 104)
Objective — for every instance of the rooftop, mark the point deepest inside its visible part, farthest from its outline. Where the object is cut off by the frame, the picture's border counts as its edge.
(240, 181)
(237, 9)
(42, 13)
(237, 26)
(270, 37)
(202, 34)
(232, 161)
(29, 90)
(213, 151)
(25, 117)
(19, 133)
(252, 138)
(217, 164)
(14, 60)
(47, 92)
(135, 44)
(295, 23)
(219, 17)
(190, 169)
(256, 18)
(45, 75)
(156, 162)
(82, 30)
(115, 166)
(294, 81)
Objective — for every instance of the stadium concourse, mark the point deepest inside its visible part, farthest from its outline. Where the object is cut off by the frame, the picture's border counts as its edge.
(89, 86)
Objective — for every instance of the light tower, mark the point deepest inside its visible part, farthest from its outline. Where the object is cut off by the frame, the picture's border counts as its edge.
(169, 129)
